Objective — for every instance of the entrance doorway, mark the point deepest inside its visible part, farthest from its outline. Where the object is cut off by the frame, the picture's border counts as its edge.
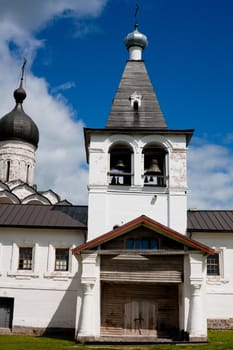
(6, 312)
(140, 318)
(140, 310)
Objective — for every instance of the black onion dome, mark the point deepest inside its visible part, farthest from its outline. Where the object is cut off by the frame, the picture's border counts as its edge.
(17, 125)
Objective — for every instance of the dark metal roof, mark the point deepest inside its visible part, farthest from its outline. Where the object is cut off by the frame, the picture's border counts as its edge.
(135, 79)
(210, 220)
(59, 216)
(50, 216)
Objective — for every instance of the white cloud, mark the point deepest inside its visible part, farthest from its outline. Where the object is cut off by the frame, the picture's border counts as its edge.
(83, 28)
(60, 156)
(33, 15)
(210, 176)
(62, 87)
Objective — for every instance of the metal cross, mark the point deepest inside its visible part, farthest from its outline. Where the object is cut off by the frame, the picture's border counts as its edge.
(23, 68)
(136, 14)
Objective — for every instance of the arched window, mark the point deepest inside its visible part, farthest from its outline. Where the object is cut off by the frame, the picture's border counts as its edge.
(120, 165)
(154, 165)
(8, 164)
(27, 176)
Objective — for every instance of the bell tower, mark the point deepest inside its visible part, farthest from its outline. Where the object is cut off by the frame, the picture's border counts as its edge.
(137, 165)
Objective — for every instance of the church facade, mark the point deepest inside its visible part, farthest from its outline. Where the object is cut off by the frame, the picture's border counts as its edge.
(135, 264)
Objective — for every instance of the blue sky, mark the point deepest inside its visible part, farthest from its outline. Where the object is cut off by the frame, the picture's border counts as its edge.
(189, 60)
(76, 56)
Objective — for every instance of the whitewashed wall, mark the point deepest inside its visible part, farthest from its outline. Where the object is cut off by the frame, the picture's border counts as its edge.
(22, 161)
(219, 289)
(109, 206)
(42, 298)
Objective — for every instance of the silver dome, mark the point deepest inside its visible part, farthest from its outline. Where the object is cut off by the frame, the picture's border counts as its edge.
(136, 39)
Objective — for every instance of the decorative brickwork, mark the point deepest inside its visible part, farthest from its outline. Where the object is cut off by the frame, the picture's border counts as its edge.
(220, 323)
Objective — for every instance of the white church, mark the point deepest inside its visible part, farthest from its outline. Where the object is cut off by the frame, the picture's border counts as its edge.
(135, 264)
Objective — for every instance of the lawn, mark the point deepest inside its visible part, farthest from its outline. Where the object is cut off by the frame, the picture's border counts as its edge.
(218, 340)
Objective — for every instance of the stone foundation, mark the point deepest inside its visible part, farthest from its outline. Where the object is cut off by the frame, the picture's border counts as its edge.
(65, 332)
(219, 323)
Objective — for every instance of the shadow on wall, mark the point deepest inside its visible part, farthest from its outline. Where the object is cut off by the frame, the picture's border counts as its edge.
(63, 322)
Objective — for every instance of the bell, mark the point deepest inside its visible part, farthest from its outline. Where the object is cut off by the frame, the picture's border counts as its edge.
(154, 168)
(120, 165)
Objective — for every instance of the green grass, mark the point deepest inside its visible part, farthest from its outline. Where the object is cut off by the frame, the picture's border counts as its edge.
(218, 340)
(20, 342)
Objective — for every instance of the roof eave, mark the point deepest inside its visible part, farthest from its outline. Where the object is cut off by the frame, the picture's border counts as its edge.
(149, 223)
(90, 131)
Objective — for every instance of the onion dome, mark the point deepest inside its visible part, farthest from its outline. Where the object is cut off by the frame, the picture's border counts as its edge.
(17, 125)
(136, 39)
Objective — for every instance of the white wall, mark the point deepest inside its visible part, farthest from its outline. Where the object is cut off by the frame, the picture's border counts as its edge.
(219, 289)
(22, 161)
(114, 205)
(42, 297)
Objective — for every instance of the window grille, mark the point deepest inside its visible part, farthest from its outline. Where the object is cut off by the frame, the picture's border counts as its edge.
(62, 259)
(213, 265)
(25, 258)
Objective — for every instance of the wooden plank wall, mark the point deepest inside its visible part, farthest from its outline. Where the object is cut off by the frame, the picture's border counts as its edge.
(154, 269)
(116, 299)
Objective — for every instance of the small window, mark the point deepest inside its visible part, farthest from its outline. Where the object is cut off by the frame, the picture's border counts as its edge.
(25, 258)
(213, 265)
(62, 259)
(27, 176)
(142, 244)
(8, 171)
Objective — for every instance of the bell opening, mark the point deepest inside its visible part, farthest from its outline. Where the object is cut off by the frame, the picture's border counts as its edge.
(154, 168)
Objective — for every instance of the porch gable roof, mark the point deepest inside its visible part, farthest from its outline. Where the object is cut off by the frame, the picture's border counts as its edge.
(151, 224)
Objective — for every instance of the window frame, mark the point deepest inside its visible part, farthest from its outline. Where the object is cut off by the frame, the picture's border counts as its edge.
(213, 263)
(25, 260)
(60, 274)
(60, 261)
(220, 277)
(139, 243)
(17, 272)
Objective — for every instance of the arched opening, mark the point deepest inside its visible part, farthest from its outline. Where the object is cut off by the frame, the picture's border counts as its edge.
(120, 164)
(154, 165)
(8, 164)
(27, 176)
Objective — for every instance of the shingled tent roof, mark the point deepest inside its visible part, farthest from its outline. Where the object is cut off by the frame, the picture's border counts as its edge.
(135, 79)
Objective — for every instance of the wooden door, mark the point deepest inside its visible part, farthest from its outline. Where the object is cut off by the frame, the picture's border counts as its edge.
(6, 312)
(141, 310)
(140, 318)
